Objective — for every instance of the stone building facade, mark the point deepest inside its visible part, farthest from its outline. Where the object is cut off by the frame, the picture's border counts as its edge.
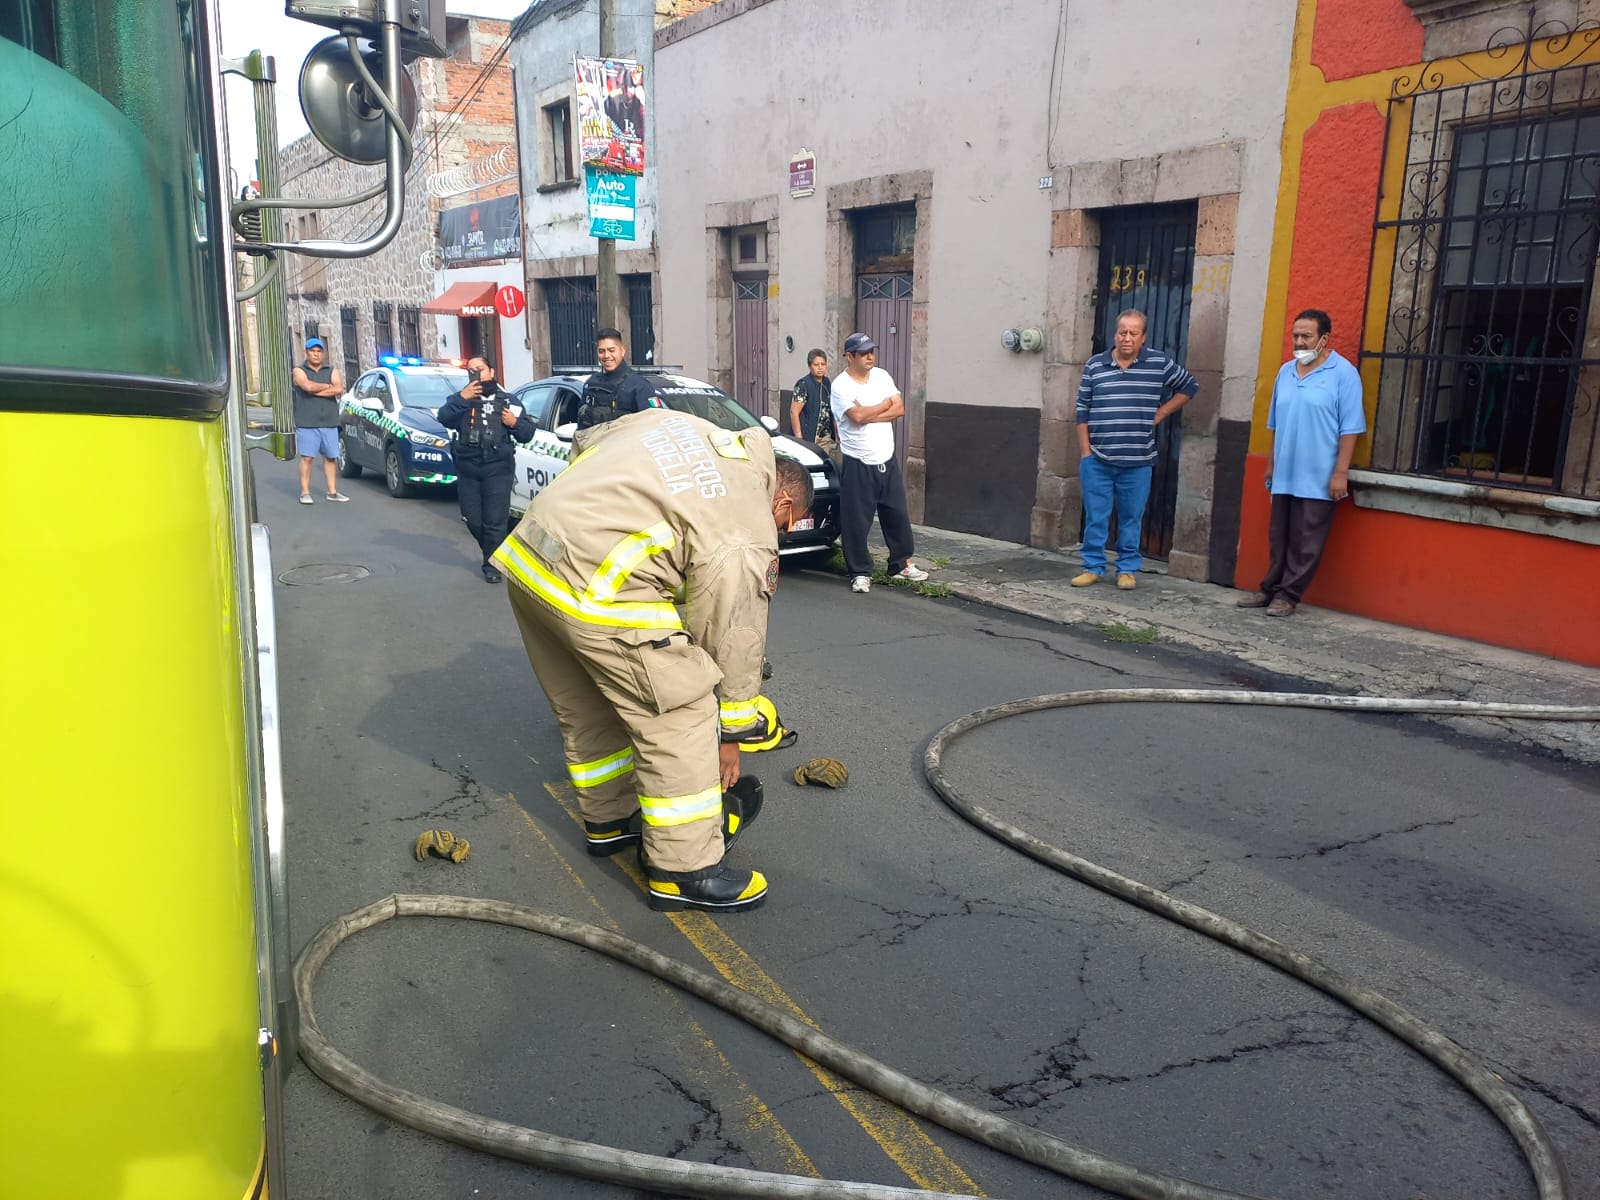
(979, 171)
(377, 305)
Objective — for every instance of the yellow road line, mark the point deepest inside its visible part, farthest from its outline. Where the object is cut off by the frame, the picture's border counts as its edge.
(899, 1136)
(771, 1146)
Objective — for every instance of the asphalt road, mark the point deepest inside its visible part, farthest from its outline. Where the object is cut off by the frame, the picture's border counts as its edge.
(1458, 878)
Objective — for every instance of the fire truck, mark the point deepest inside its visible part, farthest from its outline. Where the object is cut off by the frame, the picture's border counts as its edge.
(145, 1012)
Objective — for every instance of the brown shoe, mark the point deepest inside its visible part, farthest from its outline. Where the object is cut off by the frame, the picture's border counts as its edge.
(1085, 578)
(1126, 581)
(1280, 607)
(1253, 600)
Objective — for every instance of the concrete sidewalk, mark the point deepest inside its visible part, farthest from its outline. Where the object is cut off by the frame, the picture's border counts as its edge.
(1321, 649)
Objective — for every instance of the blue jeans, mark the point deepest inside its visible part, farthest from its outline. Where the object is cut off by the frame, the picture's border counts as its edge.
(1128, 488)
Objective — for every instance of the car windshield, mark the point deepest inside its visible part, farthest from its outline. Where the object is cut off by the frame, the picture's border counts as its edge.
(709, 403)
(429, 389)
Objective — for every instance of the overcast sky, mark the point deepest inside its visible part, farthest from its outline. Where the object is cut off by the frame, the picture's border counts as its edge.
(261, 25)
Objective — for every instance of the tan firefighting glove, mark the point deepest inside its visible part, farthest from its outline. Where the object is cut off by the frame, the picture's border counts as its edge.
(444, 844)
(827, 772)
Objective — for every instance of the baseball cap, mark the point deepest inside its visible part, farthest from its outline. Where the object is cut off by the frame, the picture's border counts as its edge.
(859, 343)
(315, 343)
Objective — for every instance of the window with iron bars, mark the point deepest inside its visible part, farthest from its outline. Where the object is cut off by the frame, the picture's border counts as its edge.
(383, 327)
(347, 337)
(1487, 249)
(410, 330)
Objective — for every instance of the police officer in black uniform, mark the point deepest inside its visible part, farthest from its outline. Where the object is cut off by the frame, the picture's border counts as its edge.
(485, 421)
(616, 389)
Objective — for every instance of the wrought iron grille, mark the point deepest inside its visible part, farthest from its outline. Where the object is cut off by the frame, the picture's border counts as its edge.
(410, 330)
(573, 307)
(383, 327)
(347, 339)
(641, 319)
(1488, 369)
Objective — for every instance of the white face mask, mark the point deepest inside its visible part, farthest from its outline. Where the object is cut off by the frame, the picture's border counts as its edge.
(1304, 357)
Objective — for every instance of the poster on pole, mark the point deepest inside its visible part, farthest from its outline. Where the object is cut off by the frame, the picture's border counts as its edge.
(611, 114)
(611, 204)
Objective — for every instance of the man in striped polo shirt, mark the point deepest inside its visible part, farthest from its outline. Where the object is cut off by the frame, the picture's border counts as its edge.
(1126, 392)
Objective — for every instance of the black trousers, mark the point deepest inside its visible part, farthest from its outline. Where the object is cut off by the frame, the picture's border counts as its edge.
(484, 490)
(865, 490)
(1298, 534)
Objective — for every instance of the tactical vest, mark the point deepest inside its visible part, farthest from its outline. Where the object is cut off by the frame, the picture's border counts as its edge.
(482, 433)
(600, 396)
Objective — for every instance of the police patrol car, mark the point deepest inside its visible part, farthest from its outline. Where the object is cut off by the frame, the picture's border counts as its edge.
(552, 405)
(387, 423)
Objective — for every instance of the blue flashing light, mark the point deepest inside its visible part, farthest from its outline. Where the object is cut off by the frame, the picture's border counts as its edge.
(388, 360)
(395, 360)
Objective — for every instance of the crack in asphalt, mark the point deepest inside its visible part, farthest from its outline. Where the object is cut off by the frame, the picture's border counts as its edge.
(1060, 1066)
(467, 799)
(1583, 1114)
(707, 1127)
(1319, 851)
(1205, 865)
(894, 641)
(1085, 660)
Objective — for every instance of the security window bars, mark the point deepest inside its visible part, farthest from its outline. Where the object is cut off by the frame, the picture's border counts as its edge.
(347, 337)
(410, 330)
(1488, 372)
(383, 327)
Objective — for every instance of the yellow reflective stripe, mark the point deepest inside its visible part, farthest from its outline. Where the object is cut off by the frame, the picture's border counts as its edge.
(625, 556)
(738, 713)
(532, 574)
(680, 810)
(601, 770)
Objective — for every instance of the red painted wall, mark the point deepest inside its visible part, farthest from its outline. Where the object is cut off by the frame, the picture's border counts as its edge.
(1520, 590)
(1356, 37)
(1339, 172)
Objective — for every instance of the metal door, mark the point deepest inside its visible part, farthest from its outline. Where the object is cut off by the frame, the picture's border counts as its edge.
(750, 345)
(1147, 263)
(883, 313)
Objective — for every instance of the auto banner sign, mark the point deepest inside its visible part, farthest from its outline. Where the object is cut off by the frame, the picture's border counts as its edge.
(611, 204)
(611, 114)
(477, 232)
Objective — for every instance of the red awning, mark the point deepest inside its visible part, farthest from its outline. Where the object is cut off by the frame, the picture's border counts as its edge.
(463, 300)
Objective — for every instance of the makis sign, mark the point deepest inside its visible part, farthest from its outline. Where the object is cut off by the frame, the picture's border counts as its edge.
(477, 232)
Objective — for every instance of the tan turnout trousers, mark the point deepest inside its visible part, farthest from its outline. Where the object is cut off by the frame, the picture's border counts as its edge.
(639, 725)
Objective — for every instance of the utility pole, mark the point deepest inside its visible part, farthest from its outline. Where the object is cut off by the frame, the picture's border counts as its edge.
(606, 285)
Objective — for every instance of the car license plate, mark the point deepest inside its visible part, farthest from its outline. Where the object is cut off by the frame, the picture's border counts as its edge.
(427, 456)
(802, 524)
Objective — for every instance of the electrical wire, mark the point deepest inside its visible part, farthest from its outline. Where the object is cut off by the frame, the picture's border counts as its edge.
(630, 1168)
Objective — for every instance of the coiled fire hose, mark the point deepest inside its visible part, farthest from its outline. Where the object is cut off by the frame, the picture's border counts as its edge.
(655, 1173)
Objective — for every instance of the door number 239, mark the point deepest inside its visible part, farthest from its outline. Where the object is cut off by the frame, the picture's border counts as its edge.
(1126, 278)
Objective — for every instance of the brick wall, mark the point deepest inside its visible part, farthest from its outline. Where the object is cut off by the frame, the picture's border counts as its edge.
(458, 121)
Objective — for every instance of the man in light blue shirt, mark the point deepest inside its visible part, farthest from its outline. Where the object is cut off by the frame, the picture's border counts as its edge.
(1315, 417)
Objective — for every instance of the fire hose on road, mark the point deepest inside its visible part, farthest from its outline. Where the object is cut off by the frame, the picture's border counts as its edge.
(652, 1172)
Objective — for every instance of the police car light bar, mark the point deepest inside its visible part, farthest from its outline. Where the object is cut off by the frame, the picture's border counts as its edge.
(395, 360)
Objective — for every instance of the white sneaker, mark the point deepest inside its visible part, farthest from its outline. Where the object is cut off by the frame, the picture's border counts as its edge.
(338, 497)
(305, 498)
(861, 583)
(911, 572)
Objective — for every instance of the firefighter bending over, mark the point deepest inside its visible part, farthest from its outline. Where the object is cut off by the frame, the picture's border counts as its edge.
(657, 507)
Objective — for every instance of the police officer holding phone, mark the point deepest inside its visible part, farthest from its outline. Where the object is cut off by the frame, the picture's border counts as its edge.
(485, 420)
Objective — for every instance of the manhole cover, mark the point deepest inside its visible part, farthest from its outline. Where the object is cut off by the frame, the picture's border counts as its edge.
(313, 573)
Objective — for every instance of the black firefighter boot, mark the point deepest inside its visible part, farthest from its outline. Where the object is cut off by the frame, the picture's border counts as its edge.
(718, 888)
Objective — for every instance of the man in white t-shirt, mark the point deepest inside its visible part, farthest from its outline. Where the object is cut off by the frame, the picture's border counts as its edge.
(865, 400)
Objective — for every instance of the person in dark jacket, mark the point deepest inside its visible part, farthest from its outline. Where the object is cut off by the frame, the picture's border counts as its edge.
(616, 389)
(810, 413)
(485, 420)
